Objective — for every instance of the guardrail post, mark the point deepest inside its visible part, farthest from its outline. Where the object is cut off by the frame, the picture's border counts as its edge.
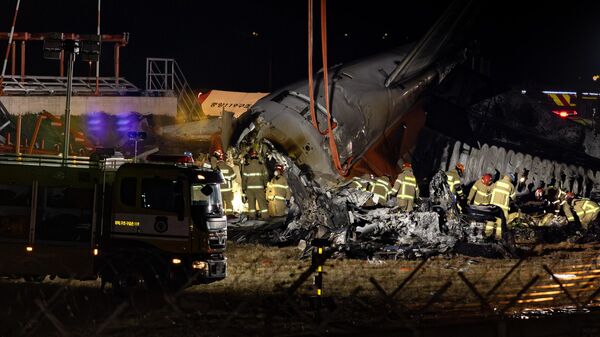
(318, 261)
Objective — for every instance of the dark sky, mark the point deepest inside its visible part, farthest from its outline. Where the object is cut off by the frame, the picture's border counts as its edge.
(556, 46)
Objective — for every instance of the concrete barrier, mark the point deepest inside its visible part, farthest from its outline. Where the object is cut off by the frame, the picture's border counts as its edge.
(81, 105)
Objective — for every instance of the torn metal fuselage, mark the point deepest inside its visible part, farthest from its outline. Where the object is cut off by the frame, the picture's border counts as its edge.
(375, 111)
(375, 125)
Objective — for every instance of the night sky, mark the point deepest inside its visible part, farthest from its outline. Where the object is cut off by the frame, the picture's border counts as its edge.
(534, 44)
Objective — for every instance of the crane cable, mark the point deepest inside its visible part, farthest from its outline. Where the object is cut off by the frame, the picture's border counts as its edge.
(311, 92)
(341, 168)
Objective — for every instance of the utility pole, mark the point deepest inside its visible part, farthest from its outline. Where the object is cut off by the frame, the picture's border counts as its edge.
(98, 61)
(71, 49)
(88, 47)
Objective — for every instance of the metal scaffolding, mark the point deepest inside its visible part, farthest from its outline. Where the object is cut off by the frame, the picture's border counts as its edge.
(54, 85)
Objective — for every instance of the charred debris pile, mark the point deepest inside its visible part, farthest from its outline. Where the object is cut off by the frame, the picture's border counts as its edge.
(339, 215)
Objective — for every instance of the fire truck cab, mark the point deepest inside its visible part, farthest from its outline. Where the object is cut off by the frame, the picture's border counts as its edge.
(151, 224)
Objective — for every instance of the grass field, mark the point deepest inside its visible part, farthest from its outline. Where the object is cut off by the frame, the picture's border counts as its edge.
(253, 299)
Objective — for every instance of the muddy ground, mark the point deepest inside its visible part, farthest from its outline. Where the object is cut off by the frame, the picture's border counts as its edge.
(446, 293)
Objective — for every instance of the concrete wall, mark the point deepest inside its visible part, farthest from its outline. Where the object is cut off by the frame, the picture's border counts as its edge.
(80, 105)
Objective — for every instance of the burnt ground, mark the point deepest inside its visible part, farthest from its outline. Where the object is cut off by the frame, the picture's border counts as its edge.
(550, 294)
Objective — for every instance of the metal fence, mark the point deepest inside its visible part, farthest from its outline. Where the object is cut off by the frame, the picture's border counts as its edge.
(269, 291)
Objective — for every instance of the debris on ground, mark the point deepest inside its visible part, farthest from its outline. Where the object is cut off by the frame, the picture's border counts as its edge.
(439, 225)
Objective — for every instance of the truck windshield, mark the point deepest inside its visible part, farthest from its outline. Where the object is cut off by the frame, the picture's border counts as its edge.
(208, 197)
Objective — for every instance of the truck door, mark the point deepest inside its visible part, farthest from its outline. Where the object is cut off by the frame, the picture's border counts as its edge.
(155, 213)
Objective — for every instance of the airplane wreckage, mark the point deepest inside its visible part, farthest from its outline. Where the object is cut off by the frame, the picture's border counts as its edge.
(417, 104)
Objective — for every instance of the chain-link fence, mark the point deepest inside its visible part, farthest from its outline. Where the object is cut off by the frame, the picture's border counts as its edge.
(270, 291)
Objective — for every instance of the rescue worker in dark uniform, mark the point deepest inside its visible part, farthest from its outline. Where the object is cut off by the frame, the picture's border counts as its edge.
(227, 185)
(556, 197)
(406, 189)
(481, 192)
(278, 193)
(534, 202)
(454, 181)
(254, 181)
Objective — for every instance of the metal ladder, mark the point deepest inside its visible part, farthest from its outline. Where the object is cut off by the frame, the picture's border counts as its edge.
(165, 78)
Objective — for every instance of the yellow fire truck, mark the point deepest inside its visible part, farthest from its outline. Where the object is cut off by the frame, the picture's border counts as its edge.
(157, 224)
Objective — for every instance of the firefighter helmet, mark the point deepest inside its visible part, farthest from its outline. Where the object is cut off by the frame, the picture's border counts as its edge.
(486, 179)
(460, 168)
(539, 193)
(407, 165)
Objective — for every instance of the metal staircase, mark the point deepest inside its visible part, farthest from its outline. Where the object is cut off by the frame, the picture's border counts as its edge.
(165, 78)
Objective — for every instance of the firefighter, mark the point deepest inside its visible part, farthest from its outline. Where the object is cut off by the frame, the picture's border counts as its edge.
(359, 183)
(203, 161)
(586, 210)
(454, 180)
(481, 192)
(406, 188)
(227, 185)
(254, 180)
(380, 187)
(215, 158)
(503, 191)
(556, 197)
(278, 193)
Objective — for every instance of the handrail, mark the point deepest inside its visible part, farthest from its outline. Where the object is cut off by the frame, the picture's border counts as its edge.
(164, 77)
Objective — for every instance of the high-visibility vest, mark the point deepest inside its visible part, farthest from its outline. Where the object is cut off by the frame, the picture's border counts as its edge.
(585, 207)
(454, 182)
(480, 193)
(502, 192)
(566, 208)
(278, 189)
(405, 186)
(254, 175)
(380, 187)
(228, 175)
(359, 184)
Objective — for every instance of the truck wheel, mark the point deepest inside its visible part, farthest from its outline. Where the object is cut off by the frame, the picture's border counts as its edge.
(34, 278)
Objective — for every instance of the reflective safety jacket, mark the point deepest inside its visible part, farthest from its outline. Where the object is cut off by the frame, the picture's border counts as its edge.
(480, 194)
(586, 210)
(254, 175)
(359, 184)
(228, 174)
(405, 186)
(503, 191)
(380, 187)
(278, 189)
(454, 182)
